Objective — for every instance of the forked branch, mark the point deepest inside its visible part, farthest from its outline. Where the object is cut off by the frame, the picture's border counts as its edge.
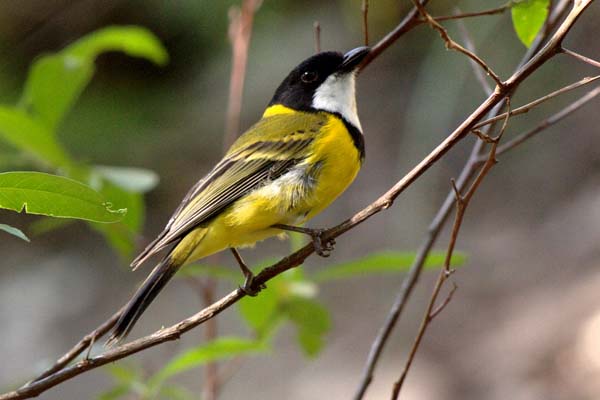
(298, 257)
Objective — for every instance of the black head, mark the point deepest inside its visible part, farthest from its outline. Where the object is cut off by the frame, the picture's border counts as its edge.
(298, 88)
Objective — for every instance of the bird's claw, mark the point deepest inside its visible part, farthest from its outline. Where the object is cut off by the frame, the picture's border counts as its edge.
(322, 247)
(248, 286)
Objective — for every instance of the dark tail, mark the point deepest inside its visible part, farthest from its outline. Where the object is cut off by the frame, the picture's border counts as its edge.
(142, 298)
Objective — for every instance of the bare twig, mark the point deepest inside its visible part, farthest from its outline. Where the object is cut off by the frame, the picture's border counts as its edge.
(365, 20)
(471, 47)
(580, 57)
(527, 107)
(240, 30)
(440, 219)
(298, 257)
(565, 112)
(462, 203)
(452, 45)
(317, 30)
(446, 301)
(80, 347)
(493, 11)
(409, 22)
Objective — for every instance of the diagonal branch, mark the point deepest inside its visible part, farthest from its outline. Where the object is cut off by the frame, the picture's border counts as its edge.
(527, 107)
(546, 123)
(298, 257)
(441, 217)
(452, 45)
(580, 57)
(462, 202)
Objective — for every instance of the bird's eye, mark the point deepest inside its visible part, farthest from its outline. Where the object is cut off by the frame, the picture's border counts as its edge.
(309, 77)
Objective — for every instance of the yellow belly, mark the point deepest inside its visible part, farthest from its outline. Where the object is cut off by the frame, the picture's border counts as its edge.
(250, 218)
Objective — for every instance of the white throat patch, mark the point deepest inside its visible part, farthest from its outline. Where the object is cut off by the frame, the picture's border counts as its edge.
(337, 94)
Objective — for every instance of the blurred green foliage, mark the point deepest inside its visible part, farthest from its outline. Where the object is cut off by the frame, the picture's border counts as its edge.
(528, 18)
(53, 85)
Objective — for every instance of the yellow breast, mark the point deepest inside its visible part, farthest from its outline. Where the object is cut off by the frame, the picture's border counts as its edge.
(335, 161)
(340, 160)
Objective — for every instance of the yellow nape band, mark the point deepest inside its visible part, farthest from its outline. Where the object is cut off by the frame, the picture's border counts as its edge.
(277, 109)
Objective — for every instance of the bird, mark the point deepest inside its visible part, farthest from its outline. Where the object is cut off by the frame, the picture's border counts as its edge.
(305, 150)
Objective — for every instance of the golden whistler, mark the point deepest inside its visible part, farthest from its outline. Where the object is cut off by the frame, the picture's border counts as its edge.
(300, 156)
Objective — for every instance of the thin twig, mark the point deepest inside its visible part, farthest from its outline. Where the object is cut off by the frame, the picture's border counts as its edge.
(79, 347)
(580, 57)
(527, 107)
(452, 45)
(493, 11)
(240, 30)
(446, 301)
(462, 203)
(479, 74)
(298, 257)
(317, 31)
(546, 123)
(365, 20)
(409, 22)
(438, 222)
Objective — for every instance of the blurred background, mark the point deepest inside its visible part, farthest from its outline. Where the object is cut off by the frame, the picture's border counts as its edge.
(525, 321)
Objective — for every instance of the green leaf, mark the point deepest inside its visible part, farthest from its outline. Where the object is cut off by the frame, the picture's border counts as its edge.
(137, 180)
(134, 41)
(14, 231)
(312, 321)
(528, 18)
(218, 349)
(53, 85)
(383, 262)
(56, 81)
(21, 131)
(55, 196)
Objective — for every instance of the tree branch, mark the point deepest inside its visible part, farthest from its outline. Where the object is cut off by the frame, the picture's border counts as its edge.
(546, 123)
(462, 202)
(441, 217)
(365, 20)
(240, 30)
(527, 107)
(452, 45)
(298, 257)
(581, 57)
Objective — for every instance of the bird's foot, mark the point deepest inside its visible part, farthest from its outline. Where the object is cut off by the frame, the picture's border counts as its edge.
(249, 287)
(323, 247)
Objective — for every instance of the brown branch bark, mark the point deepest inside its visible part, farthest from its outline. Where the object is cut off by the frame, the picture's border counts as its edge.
(452, 45)
(365, 20)
(462, 202)
(546, 123)
(240, 30)
(580, 57)
(298, 257)
(441, 217)
(317, 33)
(527, 107)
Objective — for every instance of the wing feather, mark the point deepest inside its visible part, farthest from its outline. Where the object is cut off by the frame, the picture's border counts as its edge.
(255, 158)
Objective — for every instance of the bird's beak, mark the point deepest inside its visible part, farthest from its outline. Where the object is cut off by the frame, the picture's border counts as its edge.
(353, 58)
